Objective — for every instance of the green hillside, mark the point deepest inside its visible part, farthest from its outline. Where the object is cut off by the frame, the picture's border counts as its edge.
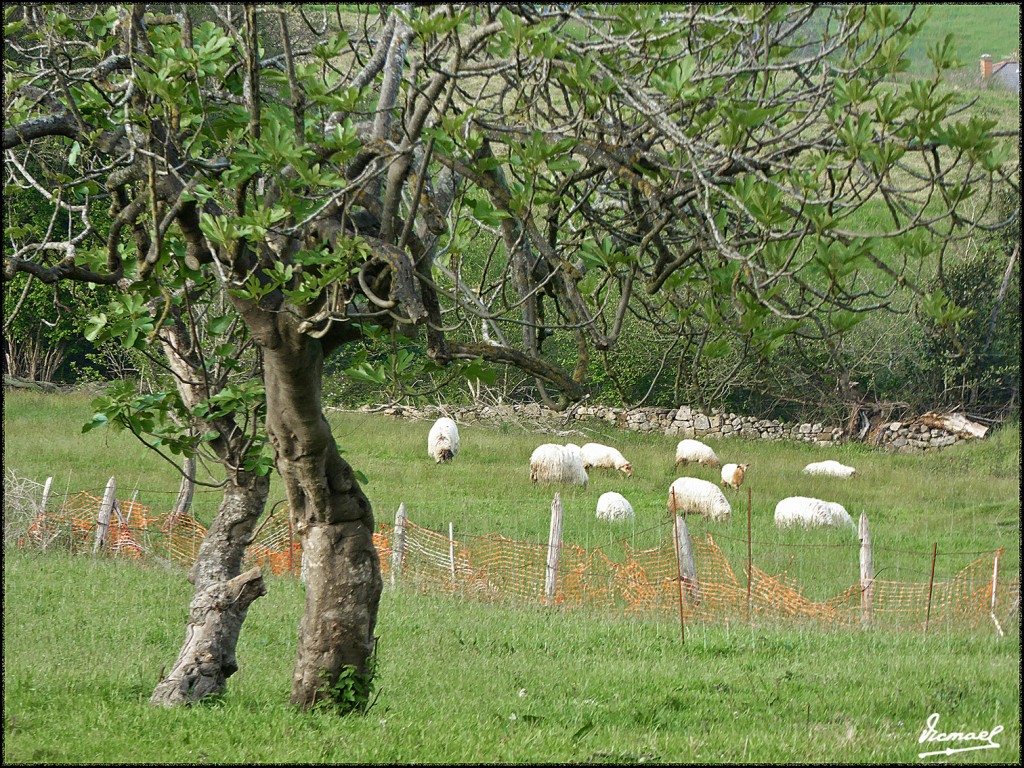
(977, 29)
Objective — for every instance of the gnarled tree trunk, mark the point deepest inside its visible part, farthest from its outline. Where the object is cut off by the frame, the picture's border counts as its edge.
(221, 600)
(223, 593)
(332, 518)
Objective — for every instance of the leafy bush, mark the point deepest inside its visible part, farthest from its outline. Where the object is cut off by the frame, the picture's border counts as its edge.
(976, 362)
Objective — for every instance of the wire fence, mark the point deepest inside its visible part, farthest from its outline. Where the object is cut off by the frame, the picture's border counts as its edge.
(629, 581)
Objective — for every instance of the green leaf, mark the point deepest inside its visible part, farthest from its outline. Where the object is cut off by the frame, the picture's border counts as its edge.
(95, 326)
(98, 420)
(843, 321)
(218, 325)
(486, 213)
(477, 369)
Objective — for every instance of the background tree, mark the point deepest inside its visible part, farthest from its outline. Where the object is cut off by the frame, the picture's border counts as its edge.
(42, 324)
(730, 176)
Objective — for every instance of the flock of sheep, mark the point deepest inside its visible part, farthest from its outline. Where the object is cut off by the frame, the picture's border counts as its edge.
(569, 464)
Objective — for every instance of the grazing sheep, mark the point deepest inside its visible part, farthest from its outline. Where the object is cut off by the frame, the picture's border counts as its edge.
(801, 510)
(613, 506)
(575, 472)
(605, 457)
(830, 468)
(733, 474)
(691, 495)
(696, 451)
(551, 463)
(443, 441)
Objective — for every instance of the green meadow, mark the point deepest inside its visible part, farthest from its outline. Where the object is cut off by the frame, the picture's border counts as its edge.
(977, 29)
(461, 681)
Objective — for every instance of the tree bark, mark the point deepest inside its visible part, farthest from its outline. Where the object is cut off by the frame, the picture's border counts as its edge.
(183, 504)
(208, 656)
(221, 599)
(332, 518)
(220, 602)
(956, 423)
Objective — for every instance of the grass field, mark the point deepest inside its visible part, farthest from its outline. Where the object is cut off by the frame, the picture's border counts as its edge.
(84, 641)
(459, 681)
(977, 29)
(962, 500)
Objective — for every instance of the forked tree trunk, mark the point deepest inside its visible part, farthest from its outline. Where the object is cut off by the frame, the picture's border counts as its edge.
(334, 522)
(222, 594)
(221, 600)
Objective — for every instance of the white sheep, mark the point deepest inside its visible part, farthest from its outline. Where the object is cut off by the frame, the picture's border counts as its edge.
(443, 441)
(830, 468)
(696, 451)
(733, 474)
(612, 506)
(691, 495)
(552, 463)
(801, 510)
(605, 457)
(574, 471)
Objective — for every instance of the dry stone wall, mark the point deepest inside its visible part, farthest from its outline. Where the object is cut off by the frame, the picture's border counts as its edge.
(923, 433)
(905, 437)
(908, 438)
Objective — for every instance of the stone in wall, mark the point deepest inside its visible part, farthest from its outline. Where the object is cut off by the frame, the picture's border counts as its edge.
(685, 422)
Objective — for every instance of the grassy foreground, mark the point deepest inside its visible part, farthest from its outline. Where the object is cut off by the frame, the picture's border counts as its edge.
(85, 639)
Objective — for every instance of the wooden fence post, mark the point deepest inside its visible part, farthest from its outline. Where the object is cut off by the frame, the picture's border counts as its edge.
(750, 558)
(995, 585)
(867, 570)
(451, 548)
(684, 554)
(103, 522)
(398, 545)
(931, 585)
(554, 545)
(685, 569)
(46, 495)
(679, 575)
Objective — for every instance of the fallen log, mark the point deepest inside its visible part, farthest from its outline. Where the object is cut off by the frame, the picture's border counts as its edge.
(955, 423)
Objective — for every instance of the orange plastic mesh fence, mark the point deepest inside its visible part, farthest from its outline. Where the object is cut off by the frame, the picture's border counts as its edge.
(74, 527)
(630, 581)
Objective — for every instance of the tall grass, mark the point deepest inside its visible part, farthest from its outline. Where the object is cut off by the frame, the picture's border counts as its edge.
(459, 681)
